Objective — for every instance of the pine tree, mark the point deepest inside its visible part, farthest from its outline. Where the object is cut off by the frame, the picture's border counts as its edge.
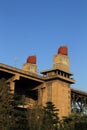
(6, 108)
(50, 119)
(12, 117)
(20, 121)
(35, 116)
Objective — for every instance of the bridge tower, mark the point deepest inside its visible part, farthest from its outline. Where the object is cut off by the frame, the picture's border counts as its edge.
(58, 81)
(30, 64)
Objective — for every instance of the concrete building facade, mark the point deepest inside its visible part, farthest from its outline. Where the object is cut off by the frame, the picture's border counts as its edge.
(51, 85)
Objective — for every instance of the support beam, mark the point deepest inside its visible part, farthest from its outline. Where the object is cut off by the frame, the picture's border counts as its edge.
(13, 78)
(12, 83)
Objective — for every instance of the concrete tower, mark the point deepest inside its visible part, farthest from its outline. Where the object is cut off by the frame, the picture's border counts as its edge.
(30, 64)
(58, 80)
(61, 60)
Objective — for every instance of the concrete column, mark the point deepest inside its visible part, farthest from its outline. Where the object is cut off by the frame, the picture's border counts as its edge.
(12, 86)
(40, 96)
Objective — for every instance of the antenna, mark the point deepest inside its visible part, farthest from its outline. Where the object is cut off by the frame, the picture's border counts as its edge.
(15, 62)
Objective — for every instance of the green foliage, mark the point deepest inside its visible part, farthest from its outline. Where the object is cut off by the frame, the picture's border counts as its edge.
(50, 118)
(14, 117)
(20, 120)
(11, 117)
(43, 118)
(6, 108)
(82, 123)
(35, 117)
(74, 122)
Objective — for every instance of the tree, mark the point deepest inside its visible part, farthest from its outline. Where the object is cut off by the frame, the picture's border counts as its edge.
(19, 113)
(35, 117)
(74, 122)
(82, 123)
(6, 108)
(50, 117)
(43, 118)
(12, 117)
(68, 123)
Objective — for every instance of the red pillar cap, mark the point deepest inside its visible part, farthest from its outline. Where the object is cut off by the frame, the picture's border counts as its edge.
(31, 59)
(63, 50)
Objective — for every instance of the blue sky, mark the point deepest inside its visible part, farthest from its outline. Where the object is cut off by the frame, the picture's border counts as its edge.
(40, 27)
